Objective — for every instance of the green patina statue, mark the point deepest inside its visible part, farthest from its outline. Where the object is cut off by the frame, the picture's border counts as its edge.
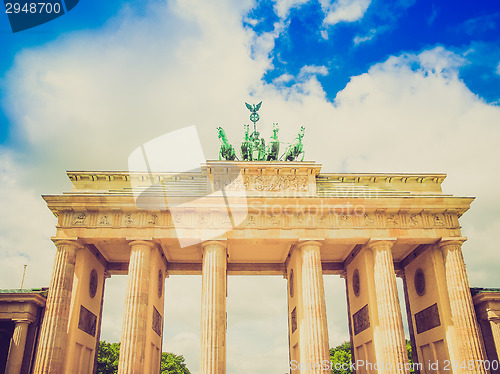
(246, 147)
(274, 145)
(254, 117)
(253, 148)
(226, 149)
(296, 149)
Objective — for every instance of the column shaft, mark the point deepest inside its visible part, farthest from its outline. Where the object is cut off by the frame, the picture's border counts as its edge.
(17, 345)
(52, 342)
(467, 331)
(393, 346)
(133, 341)
(213, 309)
(495, 330)
(314, 347)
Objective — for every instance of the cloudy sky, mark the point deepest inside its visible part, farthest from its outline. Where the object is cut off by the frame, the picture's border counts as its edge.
(401, 86)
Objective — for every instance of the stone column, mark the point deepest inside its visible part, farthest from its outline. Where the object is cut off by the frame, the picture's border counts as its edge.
(468, 336)
(17, 345)
(392, 338)
(495, 330)
(314, 348)
(54, 333)
(213, 308)
(133, 341)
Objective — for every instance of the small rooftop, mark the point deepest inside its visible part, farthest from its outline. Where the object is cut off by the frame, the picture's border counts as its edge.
(43, 291)
(477, 290)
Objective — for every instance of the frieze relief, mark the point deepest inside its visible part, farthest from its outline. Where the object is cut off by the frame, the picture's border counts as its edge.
(271, 183)
(104, 220)
(215, 218)
(80, 219)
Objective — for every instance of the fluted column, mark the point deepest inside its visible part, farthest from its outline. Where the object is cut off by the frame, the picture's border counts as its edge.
(495, 330)
(392, 339)
(133, 341)
(17, 345)
(213, 308)
(467, 331)
(314, 348)
(52, 342)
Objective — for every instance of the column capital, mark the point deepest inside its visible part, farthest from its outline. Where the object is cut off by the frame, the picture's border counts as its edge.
(380, 243)
(446, 241)
(67, 241)
(221, 243)
(149, 243)
(317, 242)
(400, 273)
(22, 320)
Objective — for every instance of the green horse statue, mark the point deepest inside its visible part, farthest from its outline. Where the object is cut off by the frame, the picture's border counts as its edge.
(246, 147)
(274, 145)
(226, 151)
(296, 149)
(258, 147)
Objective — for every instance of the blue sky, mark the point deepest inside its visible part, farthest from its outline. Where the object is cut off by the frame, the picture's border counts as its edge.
(401, 86)
(346, 48)
(470, 29)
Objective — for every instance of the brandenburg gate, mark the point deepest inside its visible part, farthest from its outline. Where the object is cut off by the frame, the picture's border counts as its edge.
(271, 215)
(283, 218)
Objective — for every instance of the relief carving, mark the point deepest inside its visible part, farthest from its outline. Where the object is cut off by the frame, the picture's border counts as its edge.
(427, 319)
(345, 220)
(300, 218)
(294, 218)
(361, 320)
(87, 321)
(438, 220)
(323, 220)
(273, 183)
(392, 220)
(294, 320)
(355, 282)
(274, 219)
(251, 221)
(128, 219)
(94, 281)
(153, 220)
(80, 219)
(415, 220)
(226, 220)
(369, 220)
(104, 221)
(177, 219)
(157, 321)
(419, 282)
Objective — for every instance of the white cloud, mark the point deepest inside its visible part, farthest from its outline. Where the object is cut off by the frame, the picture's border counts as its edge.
(344, 10)
(26, 226)
(498, 68)
(437, 62)
(308, 70)
(361, 39)
(282, 7)
(284, 78)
